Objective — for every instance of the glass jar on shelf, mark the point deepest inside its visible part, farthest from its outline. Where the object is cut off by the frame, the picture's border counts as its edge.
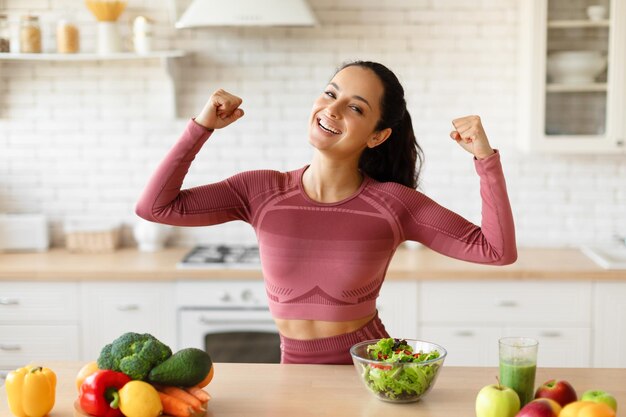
(5, 34)
(142, 35)
(68, 36)
(30, 34)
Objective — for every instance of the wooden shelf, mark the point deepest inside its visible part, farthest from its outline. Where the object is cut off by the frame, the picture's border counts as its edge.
(90, 56)
(576, 88)
(573, 24)
(168, 61)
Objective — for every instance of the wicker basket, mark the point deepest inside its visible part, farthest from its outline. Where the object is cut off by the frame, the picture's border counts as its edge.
(91, 238)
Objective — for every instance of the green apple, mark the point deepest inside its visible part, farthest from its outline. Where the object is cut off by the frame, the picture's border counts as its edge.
(599, 396)
(497, 401)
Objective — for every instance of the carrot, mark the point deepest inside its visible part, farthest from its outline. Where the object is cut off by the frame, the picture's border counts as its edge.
(207, 378)
(183, 396)
(174, 407)
(199, 393)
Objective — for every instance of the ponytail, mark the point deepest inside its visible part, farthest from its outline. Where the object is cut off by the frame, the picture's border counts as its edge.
(399, 158)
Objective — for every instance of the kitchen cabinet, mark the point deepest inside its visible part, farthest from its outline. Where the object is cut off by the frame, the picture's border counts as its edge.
(609, 323)
(468, 318)
(111, 309)
(397, 308)
(564, 114)
(169, 61)
(38, 321)
(578, 323)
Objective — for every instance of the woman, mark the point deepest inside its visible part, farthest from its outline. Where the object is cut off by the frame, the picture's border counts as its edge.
(328, 231)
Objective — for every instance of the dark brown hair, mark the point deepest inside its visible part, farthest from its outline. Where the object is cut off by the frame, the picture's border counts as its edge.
(399, 158)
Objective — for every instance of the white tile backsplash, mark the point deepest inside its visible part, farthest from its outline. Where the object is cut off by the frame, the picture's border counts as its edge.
(82, 138)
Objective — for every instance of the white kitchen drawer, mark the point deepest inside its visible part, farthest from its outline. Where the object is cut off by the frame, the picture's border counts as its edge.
(485, 303)
(116, 308)
(466, 346)
(27, 302)
(558, 347)
(397, 308)
(478, 346)
(24, 344)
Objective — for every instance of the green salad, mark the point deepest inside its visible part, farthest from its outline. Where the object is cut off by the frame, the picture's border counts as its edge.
(399, 382)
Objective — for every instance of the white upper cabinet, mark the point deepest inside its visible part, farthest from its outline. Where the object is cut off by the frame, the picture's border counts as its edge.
(572, 76)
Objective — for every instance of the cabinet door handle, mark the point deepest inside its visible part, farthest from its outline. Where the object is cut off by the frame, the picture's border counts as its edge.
(550, 333)
(220, 322)
(5, 301)
(128, 307)
(507, 303)
(10, 348)
(464, 333)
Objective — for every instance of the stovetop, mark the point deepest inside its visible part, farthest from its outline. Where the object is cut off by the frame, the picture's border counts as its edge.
(222, 256)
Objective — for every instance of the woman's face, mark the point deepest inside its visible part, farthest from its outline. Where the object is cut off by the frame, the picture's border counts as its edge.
(345, 115)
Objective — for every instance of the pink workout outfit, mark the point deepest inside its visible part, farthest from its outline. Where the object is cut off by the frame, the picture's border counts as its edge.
(327, 261)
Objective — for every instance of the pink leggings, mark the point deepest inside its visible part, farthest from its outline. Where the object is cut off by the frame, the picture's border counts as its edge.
(334, 350)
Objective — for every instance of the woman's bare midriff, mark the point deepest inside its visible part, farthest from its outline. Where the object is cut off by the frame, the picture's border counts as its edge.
(316, 329)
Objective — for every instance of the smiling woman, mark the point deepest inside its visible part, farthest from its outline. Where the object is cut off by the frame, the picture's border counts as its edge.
(327, 231)
(373, 100)
(351, 121)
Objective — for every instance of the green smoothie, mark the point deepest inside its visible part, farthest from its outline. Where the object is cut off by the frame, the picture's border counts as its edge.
(520, 377)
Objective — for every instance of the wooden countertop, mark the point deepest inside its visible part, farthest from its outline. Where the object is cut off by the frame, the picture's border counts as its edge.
(244, 390)
(416, 264)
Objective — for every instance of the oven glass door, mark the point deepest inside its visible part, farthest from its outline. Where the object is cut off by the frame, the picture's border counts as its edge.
(243, 346)
(245, 336)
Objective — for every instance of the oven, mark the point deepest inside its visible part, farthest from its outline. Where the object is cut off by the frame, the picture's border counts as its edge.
(228, 319)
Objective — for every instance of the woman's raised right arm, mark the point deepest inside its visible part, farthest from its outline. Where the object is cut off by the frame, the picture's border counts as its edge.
(163, 201)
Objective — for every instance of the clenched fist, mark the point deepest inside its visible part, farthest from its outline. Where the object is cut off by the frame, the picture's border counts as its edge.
(469, 133)
(221, 110)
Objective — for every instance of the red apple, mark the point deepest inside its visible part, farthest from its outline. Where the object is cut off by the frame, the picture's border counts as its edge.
(541, 407)
(560, 391)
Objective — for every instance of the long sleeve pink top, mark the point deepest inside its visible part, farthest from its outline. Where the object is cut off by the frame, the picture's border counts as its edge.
(325, 261)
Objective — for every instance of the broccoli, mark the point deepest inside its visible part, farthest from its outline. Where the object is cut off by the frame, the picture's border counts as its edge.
(134, 354)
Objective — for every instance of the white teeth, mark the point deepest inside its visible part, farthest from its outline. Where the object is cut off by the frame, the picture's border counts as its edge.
(328, 129)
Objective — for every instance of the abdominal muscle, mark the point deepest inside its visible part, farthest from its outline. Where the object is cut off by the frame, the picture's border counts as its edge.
(317, 329)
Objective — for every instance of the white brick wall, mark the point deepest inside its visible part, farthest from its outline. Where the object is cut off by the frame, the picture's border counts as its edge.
(82, 138)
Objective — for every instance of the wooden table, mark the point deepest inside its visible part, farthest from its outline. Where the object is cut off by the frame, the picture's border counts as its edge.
(255, 390)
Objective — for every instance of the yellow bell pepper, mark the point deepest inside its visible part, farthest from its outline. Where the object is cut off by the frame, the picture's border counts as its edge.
(31, 391)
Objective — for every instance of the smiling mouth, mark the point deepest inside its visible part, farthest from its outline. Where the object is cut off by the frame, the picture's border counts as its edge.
(327, 129)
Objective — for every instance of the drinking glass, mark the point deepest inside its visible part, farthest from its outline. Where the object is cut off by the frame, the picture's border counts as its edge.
(518, 364)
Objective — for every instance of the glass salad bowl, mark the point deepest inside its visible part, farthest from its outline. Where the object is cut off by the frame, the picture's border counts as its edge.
(398, 370)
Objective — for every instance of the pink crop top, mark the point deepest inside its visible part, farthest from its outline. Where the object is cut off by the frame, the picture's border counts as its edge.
(327, 261)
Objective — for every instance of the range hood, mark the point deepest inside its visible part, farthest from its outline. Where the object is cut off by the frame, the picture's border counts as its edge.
(247, 13)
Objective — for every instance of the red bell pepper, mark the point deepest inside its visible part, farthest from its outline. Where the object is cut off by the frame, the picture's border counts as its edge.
(98, 393)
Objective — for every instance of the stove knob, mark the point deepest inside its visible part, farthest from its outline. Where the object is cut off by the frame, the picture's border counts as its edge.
(224, 297)
(247, 295)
